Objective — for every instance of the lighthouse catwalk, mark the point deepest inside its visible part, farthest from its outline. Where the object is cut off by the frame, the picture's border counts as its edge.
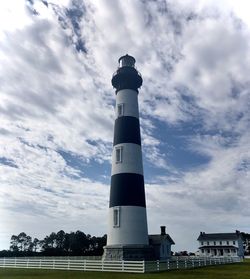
(127, 232)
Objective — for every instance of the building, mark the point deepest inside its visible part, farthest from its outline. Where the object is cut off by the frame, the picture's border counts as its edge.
(161, 244)
(221, 244)
(127, 230)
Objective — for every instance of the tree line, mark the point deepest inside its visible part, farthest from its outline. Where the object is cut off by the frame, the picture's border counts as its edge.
(56, 244)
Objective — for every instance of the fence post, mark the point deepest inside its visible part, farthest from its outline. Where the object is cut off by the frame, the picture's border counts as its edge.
(177, 263)
(157, 265)
(68, 263)
(185, 263)
(27, 263)
(168, 265)
(53, 264)
(4, 262)
(143, 266)
(84, 264)
(15, 263)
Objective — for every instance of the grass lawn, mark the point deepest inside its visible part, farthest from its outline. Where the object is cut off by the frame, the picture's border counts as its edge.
(231, 271)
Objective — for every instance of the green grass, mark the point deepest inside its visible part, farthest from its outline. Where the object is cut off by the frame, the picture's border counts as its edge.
(231, 271)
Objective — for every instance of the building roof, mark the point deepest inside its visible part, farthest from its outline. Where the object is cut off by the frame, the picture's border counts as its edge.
(218, 247)
(219, 236)
(157, 238)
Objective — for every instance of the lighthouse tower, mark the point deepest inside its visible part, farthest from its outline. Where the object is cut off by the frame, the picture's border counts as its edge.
(127, 232)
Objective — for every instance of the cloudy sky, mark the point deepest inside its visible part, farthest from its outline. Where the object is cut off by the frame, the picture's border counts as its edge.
(57, 113)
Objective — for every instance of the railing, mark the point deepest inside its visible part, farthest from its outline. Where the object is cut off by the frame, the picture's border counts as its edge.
(68, 264)
(179, 263)
(114, 266)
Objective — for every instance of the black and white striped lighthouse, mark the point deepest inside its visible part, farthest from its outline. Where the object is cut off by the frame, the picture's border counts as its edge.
(128, 232)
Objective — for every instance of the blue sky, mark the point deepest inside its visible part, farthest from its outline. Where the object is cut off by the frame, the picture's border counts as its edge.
(57, 114)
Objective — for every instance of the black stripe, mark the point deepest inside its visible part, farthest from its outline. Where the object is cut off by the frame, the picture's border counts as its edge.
(127, 130)
(127, 189)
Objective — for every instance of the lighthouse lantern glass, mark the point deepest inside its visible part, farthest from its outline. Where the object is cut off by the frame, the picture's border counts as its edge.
(127, 61)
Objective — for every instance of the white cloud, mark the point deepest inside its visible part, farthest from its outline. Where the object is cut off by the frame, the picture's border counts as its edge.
(214, 198)
(54, 98)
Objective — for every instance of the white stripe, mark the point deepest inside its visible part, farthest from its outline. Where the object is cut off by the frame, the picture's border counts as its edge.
(133, 226)
(129, 98)
(131, 159)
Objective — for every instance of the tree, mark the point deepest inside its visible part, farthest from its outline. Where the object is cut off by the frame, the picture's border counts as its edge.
(21, 243)
(36, 244)
(49, 241)
(24, 242)
(78, 242)
(246, 242)
(14, 243)
(60, 240)
(60, 243)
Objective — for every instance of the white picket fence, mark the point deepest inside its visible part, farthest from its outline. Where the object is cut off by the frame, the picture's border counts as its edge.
(114, 266)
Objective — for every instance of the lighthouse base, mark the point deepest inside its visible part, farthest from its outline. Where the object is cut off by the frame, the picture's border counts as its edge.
(128, 253)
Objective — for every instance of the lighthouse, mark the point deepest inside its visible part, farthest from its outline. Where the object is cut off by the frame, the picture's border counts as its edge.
(127, 223)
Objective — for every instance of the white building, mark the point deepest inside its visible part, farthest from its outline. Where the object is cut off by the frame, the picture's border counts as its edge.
(221, 244)
(161, 244)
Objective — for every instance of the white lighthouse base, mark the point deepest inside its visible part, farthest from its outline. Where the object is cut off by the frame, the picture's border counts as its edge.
(128, 253)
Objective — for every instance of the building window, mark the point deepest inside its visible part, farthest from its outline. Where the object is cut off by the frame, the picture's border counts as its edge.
(207, 242)
(201, 242)
(202, 250)
(167, 250)
(227, 242)
(208, 251)
(220, 242)
(120, 110)
(116, 217)
(118, 154)
(214, 242)
(233, 242)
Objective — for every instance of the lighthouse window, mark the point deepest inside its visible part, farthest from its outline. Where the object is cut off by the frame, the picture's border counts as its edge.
(116, 217)
(118, 154)
(120, 110)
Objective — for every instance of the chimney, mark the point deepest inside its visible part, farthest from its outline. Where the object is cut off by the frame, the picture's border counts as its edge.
(163, 230)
